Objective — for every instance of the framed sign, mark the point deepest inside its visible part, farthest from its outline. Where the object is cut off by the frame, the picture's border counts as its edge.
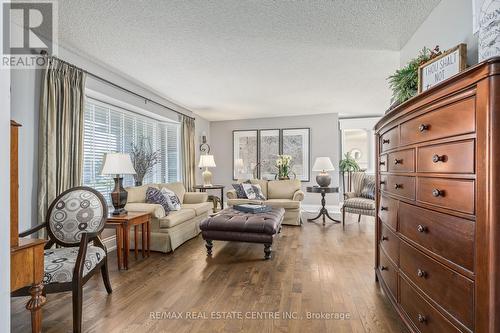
(245, 145)
(442, 67)
(295, 142)
(269, 142)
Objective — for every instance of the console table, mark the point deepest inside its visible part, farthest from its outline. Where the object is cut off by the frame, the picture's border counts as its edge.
(323, 211)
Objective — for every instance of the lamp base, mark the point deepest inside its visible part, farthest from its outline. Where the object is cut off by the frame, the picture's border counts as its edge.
(323, 179)
(207, 177)
(119, 197)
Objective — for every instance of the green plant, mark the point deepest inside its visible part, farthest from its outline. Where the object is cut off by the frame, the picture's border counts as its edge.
(284, 165)
(348, 164)
(404, 82)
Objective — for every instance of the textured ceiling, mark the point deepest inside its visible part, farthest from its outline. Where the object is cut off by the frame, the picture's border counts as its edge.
(248, 59)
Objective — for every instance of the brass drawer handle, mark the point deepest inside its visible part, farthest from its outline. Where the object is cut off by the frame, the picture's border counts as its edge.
(421, 273)
(384, 238)
(384, 208)
(398, 186)
(437, 193)
(384, 268)
(398, 161)
(421, 318)
(421, 228)
(438, 158)
(423, 127)
(384, 141)
(382, 162)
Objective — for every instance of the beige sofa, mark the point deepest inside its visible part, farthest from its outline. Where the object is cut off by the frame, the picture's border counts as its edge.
(279, 193)
(169, 231)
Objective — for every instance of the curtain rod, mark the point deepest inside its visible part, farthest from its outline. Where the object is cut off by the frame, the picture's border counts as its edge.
(100, 78)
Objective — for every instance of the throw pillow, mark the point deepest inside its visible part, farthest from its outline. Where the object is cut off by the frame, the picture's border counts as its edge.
(368, 190)
(154, 196)
(249, 191)
(240, 192)
(172, 199)
(258, 192)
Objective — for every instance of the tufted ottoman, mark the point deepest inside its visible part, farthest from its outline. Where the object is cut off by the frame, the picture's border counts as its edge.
(233, 225)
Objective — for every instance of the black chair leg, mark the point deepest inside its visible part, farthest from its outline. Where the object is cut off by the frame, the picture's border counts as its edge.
(77, 308)
(105, 276)
(359, 218)
(343, 218)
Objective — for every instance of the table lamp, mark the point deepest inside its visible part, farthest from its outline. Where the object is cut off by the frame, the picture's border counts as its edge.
(322, 165)
(207, 161)
(118, 164)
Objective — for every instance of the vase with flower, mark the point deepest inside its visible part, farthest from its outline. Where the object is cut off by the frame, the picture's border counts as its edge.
(284, 165)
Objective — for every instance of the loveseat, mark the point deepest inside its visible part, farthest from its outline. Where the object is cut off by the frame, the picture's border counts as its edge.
(169, 231)
(286, 194)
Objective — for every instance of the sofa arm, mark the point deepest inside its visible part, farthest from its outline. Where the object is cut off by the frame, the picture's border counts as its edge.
(195, 197)
(156, 210)
(231, 194)
(349, 195)
(298, 195)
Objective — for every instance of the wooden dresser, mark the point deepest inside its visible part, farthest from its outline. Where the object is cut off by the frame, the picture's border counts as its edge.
(438, 202)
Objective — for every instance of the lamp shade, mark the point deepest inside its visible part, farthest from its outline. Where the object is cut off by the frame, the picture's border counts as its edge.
(323, 164)
(206, 161)
(117, 164)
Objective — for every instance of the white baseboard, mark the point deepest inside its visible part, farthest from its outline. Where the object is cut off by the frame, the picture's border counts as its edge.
(110, 243)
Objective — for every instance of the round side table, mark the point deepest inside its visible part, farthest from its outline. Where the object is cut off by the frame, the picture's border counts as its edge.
(323, 212)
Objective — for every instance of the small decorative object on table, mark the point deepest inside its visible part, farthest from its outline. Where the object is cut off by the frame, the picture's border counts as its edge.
(118, 164)
(207, 161)
(323, 211)
(322, 165)
(203, 188)
(253, 208)
(143, 159)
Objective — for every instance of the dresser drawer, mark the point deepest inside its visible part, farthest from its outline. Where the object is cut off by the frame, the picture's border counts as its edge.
(389, 241)
(455, 157)
(447, 236)
(389, 273)
(402, 161)
(456, 194)
(449, 289)
(389, 139)
(423, 315)
(383, 163)
(454, 119)
(388, 211)
(399, 185)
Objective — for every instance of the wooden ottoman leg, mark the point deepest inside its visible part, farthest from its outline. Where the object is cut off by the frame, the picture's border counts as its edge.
(209, 244)
(267, 251)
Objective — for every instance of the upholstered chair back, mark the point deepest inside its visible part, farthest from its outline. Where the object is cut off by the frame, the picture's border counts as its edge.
(178, 188)
(282, 189)
(74, 212)
(358, 180)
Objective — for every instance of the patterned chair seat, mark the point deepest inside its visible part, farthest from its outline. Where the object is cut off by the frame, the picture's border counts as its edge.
(60, 263)
(360, 203)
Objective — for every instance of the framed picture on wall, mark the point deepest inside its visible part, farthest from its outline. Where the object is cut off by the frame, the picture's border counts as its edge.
(296, 143)
(269, 149)
(245, 154)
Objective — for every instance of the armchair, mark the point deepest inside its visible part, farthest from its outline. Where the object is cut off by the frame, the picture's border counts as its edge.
(353, 201)
(74, 219)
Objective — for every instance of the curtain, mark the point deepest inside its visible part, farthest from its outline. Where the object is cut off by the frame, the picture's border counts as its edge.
(60, 145)
(188, 152)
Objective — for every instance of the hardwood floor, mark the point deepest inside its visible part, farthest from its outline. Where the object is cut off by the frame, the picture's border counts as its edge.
(315, 269)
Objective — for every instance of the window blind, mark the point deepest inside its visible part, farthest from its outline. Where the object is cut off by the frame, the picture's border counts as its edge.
(111, 129)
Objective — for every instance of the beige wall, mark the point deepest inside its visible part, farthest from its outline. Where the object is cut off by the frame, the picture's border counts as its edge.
(324, 142)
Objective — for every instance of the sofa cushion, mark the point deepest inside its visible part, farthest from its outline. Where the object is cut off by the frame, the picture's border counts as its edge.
(178, 188)
(173, 201)
(283, 203)
(155, 196)
(199, 208)
(233, 202)
(262, 183)
(177, 217)
(240, 191)
(282, 189)
(138, 193)
(360, 203)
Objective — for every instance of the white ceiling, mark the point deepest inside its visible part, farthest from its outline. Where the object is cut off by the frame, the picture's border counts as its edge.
(249, 59)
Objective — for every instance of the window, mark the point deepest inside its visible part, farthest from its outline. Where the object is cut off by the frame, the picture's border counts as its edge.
(112, 129)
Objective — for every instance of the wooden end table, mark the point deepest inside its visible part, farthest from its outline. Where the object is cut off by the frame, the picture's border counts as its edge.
(323, 212)
(122, 226)
(203, 188)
